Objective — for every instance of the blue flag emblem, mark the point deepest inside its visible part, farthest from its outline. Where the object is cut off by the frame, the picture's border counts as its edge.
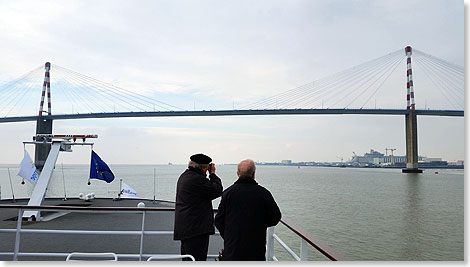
(99, 169)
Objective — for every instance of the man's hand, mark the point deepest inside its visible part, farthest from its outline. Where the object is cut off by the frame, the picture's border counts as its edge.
(211, 168)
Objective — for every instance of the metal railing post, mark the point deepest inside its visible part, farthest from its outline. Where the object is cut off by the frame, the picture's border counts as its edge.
(303, 250)
(142, 235)
(270, 248)
(17, 238)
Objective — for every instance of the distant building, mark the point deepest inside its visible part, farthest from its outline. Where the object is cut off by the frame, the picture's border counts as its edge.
(286, 161)
(426, 159)
(456, 163)
(376, 158)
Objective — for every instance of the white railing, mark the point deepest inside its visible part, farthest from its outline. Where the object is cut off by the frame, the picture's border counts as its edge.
(19, 230)
(306, 239)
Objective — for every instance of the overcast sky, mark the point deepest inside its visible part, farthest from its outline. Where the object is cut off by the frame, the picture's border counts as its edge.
(221, 54)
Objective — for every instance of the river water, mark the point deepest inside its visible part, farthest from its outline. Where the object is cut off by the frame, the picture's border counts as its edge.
(364, 214)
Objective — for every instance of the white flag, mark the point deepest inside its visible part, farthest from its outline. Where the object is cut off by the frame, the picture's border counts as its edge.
(27, 169)
(128, 192)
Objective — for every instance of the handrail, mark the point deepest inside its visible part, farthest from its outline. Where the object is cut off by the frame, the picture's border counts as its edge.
(79, 208)
(317, 244)
(171, 257)
(94, 256)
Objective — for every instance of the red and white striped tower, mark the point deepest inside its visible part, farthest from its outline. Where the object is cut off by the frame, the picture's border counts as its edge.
(48, 67)
(46, 86)
(410, 93)
(411, 124)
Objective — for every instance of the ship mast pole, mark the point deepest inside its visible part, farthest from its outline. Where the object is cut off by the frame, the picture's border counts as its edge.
(120, 188)
(11, 185)
(154, 184)
(63, 181)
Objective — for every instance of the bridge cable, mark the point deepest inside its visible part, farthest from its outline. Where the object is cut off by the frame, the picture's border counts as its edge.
(380, 86)
(123, 91)
(437, 80)
(335, 83)
(12, 92)
(10, 88)
(86, 84)
(447, 84)
(117, 95)
(83, 87)
(439, 83)
(455, 79)
(27, 96)
(380, 73)
(350, 85)
(82, 100)
(288, 98)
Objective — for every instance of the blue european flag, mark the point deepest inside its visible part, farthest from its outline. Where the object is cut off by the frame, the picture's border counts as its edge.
(99, 169)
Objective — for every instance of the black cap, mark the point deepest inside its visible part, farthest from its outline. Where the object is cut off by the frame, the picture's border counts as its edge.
(201, 159)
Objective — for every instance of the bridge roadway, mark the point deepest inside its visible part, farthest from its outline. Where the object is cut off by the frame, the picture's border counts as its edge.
(202, 113)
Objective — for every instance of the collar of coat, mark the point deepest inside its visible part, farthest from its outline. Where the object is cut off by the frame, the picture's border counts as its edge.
(245, 180)
(195, 170)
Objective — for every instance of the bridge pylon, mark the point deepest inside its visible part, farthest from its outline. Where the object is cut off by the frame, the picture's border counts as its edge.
(44, 125)
(411, 128)
(411, 133)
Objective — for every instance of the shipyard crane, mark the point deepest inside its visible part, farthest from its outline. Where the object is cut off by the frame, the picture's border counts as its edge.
(391, 150)
(354, 156)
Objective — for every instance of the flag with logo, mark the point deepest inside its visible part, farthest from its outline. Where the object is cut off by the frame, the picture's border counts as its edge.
(128, 192)
(99, 169)
(28, 169)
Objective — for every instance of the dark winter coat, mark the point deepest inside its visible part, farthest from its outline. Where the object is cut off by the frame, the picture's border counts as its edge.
(193, 210)
(245, 211)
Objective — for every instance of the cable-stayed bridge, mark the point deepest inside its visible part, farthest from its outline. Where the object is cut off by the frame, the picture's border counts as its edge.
(383, 86)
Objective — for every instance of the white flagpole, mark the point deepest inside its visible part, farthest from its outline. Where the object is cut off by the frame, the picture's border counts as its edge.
(63, 180)
(11, 185)
(154, 185)
(120, 189)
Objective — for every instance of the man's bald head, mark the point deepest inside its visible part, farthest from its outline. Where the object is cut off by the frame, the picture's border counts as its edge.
(246, 168)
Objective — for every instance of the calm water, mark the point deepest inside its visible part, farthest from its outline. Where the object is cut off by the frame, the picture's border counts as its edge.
(365, 214)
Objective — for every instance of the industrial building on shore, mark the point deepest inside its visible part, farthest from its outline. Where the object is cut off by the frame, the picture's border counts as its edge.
(375, 158)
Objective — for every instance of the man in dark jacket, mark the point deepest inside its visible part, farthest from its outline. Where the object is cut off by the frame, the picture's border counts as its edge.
(245, 211)
(194, 216)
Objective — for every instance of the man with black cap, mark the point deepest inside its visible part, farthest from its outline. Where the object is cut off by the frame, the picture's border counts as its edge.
(194, 216)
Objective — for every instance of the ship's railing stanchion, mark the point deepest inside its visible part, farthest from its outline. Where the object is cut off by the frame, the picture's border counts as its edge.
(142, 236)
(270, 249)
(303, 250)
(17, 237)
(286, 247)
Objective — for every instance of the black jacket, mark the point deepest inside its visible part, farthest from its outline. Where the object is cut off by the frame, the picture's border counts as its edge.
(193, 209)
(245, 211)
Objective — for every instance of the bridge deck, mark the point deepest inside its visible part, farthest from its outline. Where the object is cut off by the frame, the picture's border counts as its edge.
(202, 113)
